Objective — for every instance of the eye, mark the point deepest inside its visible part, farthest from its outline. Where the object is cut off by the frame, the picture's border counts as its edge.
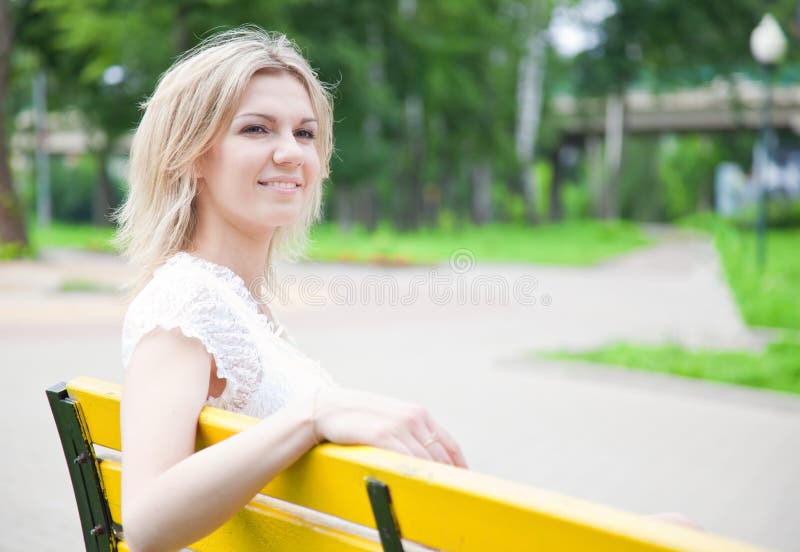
(305, 134)
(254, 129)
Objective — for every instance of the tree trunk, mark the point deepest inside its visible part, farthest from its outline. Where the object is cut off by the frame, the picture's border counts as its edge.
(416, 149)
(482, 192)
(101, 202)
(12, 224)
(372, 128)
(556, 212)
(529, 193)
(43, 194)
(180, 29)
(615, 128)
(530, 78)
(343, 198)
(594, 154)
(369, 207)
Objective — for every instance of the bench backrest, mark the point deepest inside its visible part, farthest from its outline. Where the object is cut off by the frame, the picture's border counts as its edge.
(335, 497)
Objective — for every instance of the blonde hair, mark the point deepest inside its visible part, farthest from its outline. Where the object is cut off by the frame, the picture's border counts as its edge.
(193, 100)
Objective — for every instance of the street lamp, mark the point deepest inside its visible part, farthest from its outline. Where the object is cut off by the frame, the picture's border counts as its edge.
(768, 45)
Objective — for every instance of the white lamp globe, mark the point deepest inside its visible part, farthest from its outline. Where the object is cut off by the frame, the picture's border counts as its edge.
(767, 41)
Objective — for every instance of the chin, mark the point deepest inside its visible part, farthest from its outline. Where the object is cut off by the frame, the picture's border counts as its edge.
(270, 224)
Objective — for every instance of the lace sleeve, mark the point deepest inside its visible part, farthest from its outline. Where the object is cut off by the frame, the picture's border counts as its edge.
(175, 299)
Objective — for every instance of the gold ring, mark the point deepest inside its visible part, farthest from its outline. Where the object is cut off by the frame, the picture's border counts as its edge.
(431, 440)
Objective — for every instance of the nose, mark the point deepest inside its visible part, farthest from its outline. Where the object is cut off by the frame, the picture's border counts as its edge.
(287, 152)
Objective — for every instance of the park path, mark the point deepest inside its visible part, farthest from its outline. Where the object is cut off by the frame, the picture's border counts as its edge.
(723, 455)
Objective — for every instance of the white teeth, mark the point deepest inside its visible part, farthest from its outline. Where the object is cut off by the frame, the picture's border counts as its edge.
(282, 185)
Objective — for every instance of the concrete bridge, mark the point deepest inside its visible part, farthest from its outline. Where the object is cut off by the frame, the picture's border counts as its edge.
(720, 106)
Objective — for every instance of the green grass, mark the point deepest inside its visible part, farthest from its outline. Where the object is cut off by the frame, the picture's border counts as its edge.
(72, 236)
(86, 286)
(777, 368)
(768, 296)
(572, 243)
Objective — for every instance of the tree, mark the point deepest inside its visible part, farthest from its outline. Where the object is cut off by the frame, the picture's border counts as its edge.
(663, 44)
(13, 237)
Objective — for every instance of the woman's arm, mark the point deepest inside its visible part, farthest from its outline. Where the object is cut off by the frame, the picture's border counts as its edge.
(173, 496)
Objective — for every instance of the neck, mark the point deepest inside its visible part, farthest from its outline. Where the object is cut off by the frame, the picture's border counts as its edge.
(243, 253)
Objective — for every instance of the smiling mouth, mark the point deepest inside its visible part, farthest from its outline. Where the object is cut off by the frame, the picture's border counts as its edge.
(280, 185)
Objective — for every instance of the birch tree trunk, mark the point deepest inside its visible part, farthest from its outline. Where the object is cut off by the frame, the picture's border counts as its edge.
(530, 77)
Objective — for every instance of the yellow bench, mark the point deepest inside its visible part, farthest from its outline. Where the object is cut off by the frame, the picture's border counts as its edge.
(335, 497)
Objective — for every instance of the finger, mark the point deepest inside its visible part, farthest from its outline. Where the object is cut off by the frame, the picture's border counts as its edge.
(396, 445)
(432, 444)
(449, 444)
(424, 437)
(439, 453)
(417, 449)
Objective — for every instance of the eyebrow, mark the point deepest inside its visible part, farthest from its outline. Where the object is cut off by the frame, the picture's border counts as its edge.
(272, 119)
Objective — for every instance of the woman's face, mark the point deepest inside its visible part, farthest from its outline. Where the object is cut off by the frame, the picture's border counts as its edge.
(260, 170)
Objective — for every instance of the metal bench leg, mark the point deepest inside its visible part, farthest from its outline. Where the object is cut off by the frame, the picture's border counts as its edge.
(385, 520)
(83, 470)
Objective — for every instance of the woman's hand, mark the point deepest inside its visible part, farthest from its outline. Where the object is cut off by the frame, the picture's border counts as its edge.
(351, 417)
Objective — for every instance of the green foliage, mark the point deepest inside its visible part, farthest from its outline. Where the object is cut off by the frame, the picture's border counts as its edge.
(767, 296)
(686, 167)
(667, 43)
(577, 201)
(72, 236)
(640, 192)
(14, 250)
(543, 175)
(456, 60)
(781, 213)
(777, 368)
(664, 179)
(72, 187)
(514, 207)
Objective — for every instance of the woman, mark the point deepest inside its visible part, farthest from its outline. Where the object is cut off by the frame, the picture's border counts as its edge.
(226, 169)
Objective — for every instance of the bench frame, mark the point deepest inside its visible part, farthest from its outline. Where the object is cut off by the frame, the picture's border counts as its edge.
(318, 501)
(99, 533)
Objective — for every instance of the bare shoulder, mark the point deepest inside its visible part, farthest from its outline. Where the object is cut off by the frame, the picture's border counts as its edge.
(163, 342)
(169, 362)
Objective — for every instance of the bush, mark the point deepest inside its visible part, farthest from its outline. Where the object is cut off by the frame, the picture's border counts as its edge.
(686, 170)
(72, 185)
(781, 213)
(577, 201)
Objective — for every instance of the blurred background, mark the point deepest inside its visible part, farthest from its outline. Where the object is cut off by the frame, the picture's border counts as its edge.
(638, 161)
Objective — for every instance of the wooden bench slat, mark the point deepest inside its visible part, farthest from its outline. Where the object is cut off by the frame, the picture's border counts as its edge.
(440, 506)
(259, 526)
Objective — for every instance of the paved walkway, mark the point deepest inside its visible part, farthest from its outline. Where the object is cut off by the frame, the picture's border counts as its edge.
(723, 455)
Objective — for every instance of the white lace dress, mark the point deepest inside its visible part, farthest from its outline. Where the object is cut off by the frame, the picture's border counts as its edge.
(260, 363)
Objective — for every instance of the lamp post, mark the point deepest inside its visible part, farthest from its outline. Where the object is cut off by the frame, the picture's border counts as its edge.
(768, 46)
